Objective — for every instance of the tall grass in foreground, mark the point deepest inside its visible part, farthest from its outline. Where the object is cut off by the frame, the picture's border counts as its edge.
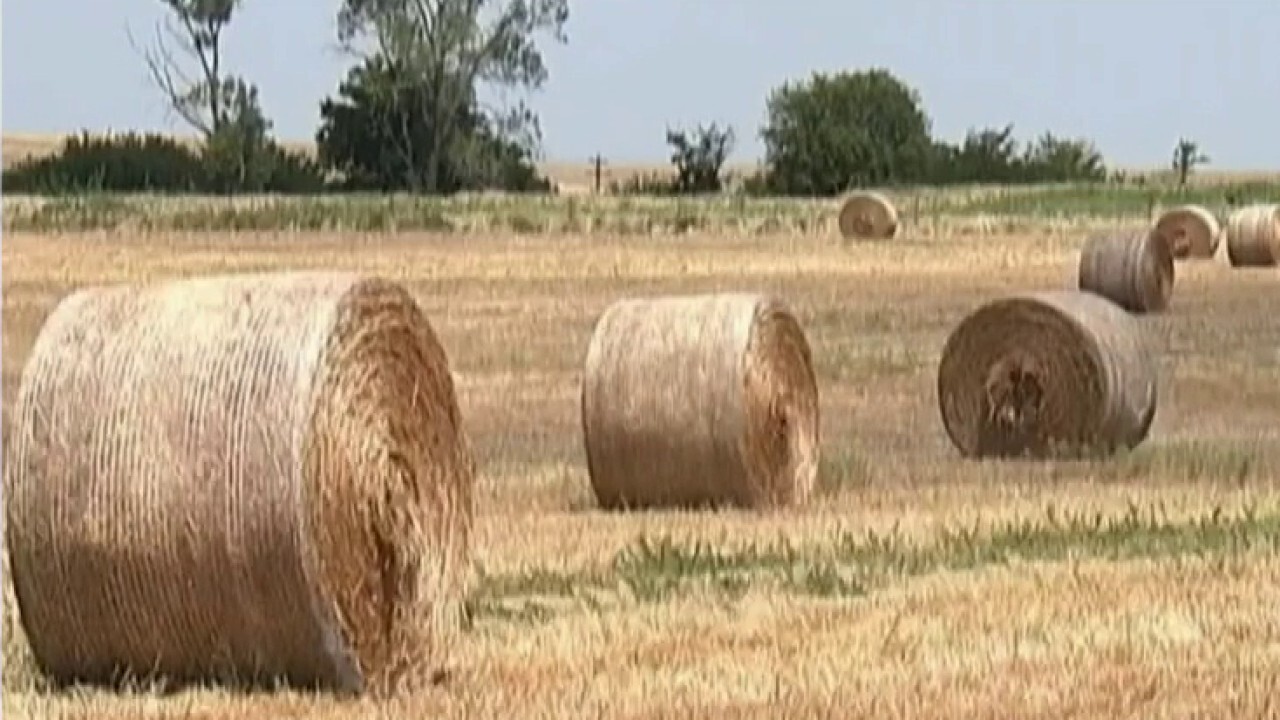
(590, 214)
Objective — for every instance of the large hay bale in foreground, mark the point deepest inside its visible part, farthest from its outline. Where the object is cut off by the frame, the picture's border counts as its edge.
(1190, 231)
(240, 479)
(1058, 373)
(1132, 268)
(697, 401)
(1253, 236)
(868, 215)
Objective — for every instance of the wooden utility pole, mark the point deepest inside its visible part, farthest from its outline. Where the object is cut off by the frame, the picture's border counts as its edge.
(597, 161)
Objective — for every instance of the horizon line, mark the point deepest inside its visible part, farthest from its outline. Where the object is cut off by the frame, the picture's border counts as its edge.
(661, 161)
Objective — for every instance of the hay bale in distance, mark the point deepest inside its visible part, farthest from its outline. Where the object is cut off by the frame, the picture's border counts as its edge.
(240, 479)
(1057, 373)
(1190, 231)
(699, 401)
(868, 215)
(1132, 268)
(1253, 236)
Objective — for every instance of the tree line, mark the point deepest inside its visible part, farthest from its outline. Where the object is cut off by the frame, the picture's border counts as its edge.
(408, 116)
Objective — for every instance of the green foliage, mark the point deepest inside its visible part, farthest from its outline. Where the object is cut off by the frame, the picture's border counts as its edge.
(408, 118)
(374, 134)
(237, 153)
(491, 41)
(294, 173)
(240, 156)
(844, 130)
(1186, 158)
(502, 164)
(698, 157)
(155, 163)
(380, 134)
(1055, 159)
(443, 51)
(128, 162)
(992, 155)
(1131, 201)
(755, 184)
(867, 128)
(988, 155)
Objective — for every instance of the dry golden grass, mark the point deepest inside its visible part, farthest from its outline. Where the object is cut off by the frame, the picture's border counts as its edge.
(987, 611)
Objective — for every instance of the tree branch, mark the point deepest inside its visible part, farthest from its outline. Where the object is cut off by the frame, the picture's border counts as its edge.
(163, 67)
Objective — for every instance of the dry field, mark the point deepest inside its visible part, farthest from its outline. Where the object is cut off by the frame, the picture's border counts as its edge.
(917, 585)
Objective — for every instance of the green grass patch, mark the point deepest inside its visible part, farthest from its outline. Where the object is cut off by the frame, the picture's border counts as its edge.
(1109, 200)
(531, 214)
(1188, 460)
(851, 564)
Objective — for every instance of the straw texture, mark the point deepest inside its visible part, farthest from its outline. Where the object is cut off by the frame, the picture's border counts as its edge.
(699, 401)
(868, 215)
(1058, 373)
(1190, 231)
(1253, 236)
(1132, 268)
(242, 479)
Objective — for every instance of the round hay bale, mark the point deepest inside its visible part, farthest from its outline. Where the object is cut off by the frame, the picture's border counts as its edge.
(239, 479)
(1132, 268)
(1057, 373)
(1190, 231)
(868, 215)
(1253, 236)
(700, 401)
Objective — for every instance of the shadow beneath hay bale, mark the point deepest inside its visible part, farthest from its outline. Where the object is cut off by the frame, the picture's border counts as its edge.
(589, 505)
(167, 686)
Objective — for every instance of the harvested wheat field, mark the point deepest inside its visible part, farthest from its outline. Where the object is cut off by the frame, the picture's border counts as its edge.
(912, 583)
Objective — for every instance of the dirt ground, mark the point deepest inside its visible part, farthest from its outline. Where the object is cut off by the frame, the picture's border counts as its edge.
(1085, 633)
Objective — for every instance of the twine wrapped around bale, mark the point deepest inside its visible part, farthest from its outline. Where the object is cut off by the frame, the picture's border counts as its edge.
(242, 479)
(1132, 268)
(700, 401)
(869, 215)
(1056, 373)
(1253, 236)
(1190, 231)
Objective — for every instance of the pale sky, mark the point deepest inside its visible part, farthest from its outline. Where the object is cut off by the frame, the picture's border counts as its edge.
(1133, 75)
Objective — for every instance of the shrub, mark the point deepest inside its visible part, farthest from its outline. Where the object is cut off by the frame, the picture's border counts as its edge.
(844, 130)
(157, 163)
(126, 162)
(650, 183)
(698, 157)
